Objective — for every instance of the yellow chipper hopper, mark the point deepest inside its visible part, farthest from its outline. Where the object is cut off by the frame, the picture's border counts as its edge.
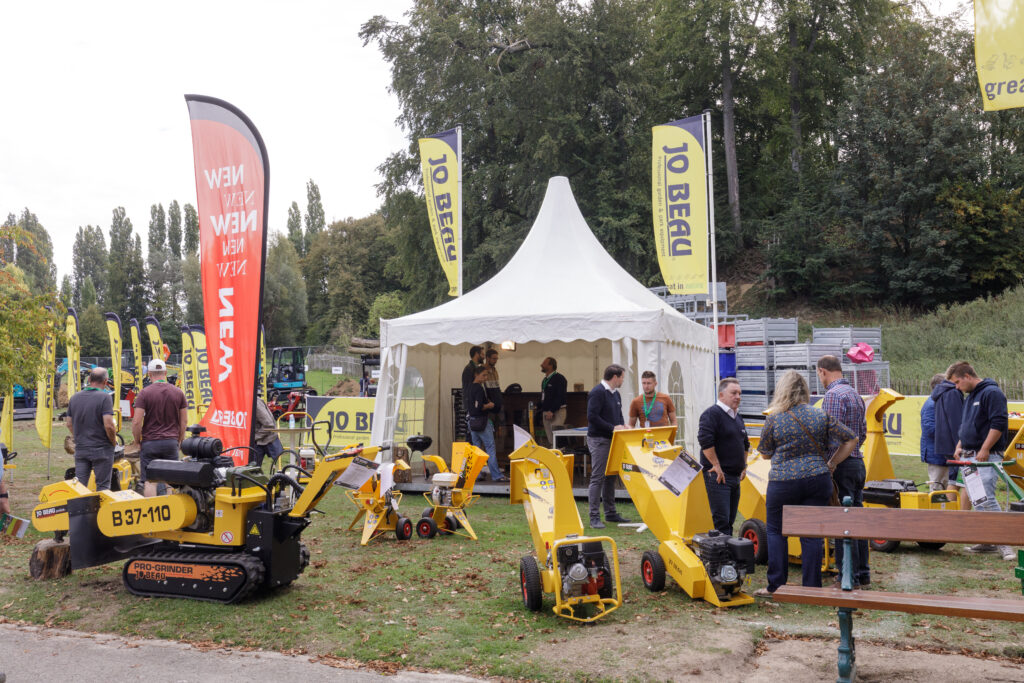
(452, 492)
(703, 562)
(581, 573)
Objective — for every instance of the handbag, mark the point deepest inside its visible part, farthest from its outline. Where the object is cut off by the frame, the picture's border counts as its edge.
(478, 423)
(834, 501)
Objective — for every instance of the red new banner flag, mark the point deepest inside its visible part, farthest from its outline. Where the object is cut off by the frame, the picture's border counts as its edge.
(232, 177)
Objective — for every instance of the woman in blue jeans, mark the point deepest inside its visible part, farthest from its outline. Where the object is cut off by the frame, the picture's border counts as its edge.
(797, 437)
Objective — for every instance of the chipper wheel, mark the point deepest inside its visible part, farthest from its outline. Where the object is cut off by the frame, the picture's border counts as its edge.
(529, 581)
(652, 571)
(756, 531)
(427, 512)
(883, 546)
(450, 524)
(426, 527)
(403, 529)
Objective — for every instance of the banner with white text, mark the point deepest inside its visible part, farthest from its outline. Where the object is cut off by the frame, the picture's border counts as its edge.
(679, 201)
(232, 179)
(442, 185)
(999, 52)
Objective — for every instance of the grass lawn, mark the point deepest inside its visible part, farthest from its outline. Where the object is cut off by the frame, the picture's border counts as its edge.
(454, 604)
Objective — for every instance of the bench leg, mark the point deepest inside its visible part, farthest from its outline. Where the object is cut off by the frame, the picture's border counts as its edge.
(847, 651)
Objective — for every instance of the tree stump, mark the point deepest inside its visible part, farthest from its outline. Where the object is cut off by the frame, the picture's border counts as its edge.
(402, 476)
(50, 559)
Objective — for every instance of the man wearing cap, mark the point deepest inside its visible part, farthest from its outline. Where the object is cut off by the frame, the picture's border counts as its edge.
(161, 415)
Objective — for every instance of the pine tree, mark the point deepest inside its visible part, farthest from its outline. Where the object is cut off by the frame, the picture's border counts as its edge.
(88, 261)
(315, 220)
(191, 230)
(295, 229)
(174, 229)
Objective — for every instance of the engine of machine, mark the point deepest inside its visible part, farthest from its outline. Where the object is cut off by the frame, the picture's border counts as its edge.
(728, 560)
(584, 569)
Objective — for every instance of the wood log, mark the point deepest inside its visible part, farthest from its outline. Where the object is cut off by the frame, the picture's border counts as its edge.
(364, 351)
(360, 342)
(402, 476)
(50, 559)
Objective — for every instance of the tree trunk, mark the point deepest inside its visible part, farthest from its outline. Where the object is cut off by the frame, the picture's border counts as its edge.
(794, 99)
(50, 560)
(729, 135)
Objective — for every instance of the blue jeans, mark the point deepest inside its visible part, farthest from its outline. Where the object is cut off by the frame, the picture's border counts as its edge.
(260, 451)
(989, 477)
(485, 440)
(815, 490)
(849, 477)
(724, 499)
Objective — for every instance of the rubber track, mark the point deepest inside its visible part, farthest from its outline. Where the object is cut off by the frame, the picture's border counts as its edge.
(254, 571)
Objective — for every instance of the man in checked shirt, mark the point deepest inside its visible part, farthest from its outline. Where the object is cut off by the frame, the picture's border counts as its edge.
(842, 402)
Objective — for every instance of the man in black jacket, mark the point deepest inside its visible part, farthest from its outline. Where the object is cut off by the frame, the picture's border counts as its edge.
(949, 410)
(982, 437)
(476, 359)
(724, 447)
(552, 397)
(604, 415)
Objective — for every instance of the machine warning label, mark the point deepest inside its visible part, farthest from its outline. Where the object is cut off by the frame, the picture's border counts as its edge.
(255, 530)
(162, 571)
(227, 537)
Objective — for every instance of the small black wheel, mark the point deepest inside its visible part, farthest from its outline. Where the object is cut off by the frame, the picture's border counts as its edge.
(69, 474)
(529, 581)
(652, 571)
(426, 527)
(403, 529)
(930, 546)
(427, 512)
(607, 590)
(450, 524)
(756, 531)
(883, 546)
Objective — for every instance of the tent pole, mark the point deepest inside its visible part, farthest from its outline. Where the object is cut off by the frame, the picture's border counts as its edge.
(711, 226)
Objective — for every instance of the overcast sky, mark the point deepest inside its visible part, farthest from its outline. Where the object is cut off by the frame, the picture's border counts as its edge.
(94, 116)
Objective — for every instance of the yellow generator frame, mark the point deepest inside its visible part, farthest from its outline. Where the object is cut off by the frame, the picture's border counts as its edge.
(640, 457)
(563, 557)
(452, 492)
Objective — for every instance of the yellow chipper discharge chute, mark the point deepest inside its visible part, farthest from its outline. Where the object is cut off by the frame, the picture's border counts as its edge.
(452, 492)
(704, 563)
(377, 500)
(581, 571)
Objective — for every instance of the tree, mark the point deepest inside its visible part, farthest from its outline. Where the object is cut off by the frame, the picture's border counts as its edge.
(34, 254)
(158, 268)
(126, 291)
(88, 294)
(295, 229)
(66, 291)
(191, 230)
(26, 314)
(92, 332)
(315, 220)
(190, 271)
(174, 229)
(386, 306)
(88, 262)
(284, 294)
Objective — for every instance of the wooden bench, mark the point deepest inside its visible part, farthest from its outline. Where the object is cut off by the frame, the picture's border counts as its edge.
(935, 526)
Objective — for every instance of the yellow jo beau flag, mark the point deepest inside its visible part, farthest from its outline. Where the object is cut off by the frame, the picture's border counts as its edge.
(999, 52)
(679, 202)
(74, 348)
(116, 347)
(442, 184)
(136, 335)
(45, 394)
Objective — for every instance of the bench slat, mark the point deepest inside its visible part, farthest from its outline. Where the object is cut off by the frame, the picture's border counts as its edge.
(948, 605)
(893, 524)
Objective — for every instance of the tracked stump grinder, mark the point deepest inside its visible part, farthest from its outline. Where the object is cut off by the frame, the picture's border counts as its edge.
(221, 533)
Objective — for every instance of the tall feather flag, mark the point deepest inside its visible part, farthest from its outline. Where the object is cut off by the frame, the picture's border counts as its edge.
(263, 365)
(45, 389)
(441, 161)
(200, 370)
(156, 340)
(999, 53)
(7, 419)
(136, 334)
(232, 181)
(116, 348)
(73, 344)
(187, 377)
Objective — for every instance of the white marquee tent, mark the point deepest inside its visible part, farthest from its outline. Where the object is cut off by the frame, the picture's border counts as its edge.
(560, 295)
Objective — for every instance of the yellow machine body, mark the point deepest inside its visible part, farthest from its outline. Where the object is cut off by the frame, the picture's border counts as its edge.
(1015, 449)
(449, 499)
(378, 509)
(640, 457)
(542, 482)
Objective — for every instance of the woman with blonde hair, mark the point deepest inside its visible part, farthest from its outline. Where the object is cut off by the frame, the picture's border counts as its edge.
(796, 438)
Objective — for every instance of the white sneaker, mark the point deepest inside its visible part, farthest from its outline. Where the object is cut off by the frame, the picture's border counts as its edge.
(1008, 553)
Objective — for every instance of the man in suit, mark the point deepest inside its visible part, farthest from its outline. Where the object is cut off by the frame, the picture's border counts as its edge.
(552, 397)
(604, 415)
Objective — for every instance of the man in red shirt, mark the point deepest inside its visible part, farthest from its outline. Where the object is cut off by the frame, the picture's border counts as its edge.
(651, 408)
(161, 415)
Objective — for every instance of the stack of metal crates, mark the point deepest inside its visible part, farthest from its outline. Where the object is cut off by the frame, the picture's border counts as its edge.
(757, 343)
(866, 378)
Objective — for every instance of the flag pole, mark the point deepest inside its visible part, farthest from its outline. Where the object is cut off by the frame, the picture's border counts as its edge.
(458, 153)
(711, 220)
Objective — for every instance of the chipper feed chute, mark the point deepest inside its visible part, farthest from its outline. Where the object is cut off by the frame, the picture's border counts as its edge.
(581, 571)
(703, 562)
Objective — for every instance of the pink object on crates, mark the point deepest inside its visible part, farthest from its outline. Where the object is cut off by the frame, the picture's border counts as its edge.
(861, 353)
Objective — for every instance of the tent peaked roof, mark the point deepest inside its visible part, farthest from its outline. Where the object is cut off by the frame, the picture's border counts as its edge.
(560, 285)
